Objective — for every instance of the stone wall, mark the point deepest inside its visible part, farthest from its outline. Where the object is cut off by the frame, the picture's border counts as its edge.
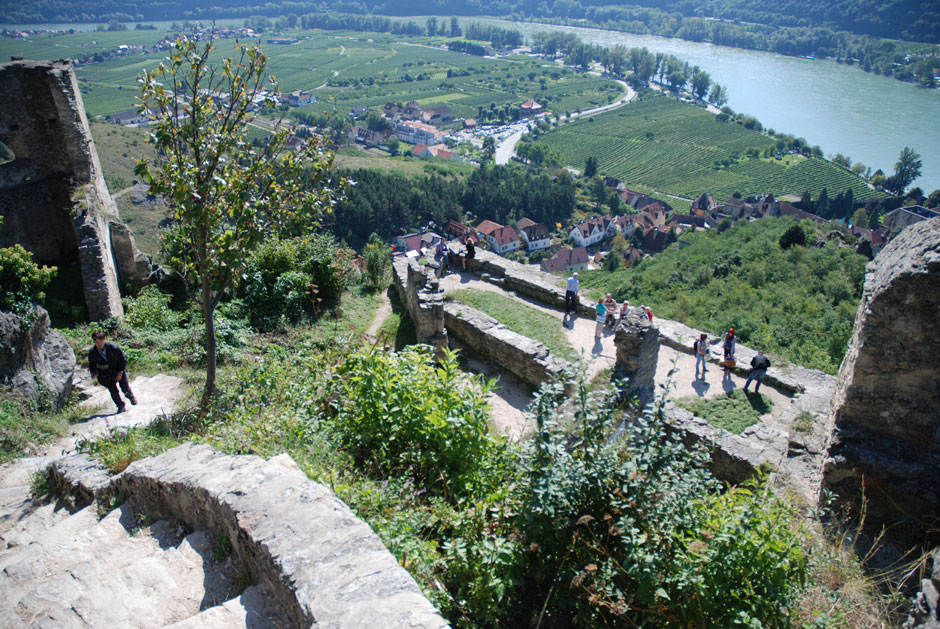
(637, 342)
(420, 292)
(485, 336)
(885, 414)
(53, 197)
(324, 565)
(518, 278)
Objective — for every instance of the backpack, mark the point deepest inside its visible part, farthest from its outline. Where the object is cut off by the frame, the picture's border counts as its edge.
(695, 347)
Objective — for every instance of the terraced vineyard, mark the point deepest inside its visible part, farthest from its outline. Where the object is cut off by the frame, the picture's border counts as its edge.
(673, 147)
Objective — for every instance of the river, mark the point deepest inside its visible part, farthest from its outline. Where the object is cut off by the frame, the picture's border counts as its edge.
(841, 108)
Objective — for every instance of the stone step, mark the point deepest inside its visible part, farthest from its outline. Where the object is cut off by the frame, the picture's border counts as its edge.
(118, 572)
(22, 522)
(255, 607)
(44, 572)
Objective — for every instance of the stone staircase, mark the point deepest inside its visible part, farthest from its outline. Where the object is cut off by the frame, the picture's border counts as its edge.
(60, 568)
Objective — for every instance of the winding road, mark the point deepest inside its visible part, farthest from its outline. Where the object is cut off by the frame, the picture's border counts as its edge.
(507, 148)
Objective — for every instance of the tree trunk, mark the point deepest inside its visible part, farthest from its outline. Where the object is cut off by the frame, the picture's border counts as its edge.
(208, 313)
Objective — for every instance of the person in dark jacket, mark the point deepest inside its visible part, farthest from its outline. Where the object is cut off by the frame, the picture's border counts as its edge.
(107, 362)
(759, 366)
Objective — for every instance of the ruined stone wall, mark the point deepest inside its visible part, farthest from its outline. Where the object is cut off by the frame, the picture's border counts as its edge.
(885, 414)
(53, 197)
(419, 289)
(485, 336)
(637, 342)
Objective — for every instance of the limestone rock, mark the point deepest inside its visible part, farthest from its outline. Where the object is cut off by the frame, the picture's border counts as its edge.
(885, 438)
(35, 357)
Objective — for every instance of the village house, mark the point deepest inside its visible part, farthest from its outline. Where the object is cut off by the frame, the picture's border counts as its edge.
(438, 150)
(129, 117)
(461, 232)
(592, 231)
(504, 239)
(704, 204)
(299, 98)
(530, 108)
(898, 219)
(412, 132)
(535, 235)
(566, 259)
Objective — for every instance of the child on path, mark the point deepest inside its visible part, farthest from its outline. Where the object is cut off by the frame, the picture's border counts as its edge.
(107, 362)
(611, 305)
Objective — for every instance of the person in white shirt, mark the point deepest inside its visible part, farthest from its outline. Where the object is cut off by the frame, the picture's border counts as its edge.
(571, 294)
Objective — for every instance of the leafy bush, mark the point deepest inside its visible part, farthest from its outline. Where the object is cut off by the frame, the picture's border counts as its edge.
(22, 281)
(400, 413)
(277, 283)
(151, 310)
(625, 526)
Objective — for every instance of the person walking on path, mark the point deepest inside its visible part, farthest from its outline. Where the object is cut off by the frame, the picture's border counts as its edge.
(571, 294)
(759, 366)
(601, 316)
(701, 354)
(107, 362)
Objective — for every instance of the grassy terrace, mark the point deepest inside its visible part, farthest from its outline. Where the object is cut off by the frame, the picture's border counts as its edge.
(519, 318)
(733, 412)
(673, 147)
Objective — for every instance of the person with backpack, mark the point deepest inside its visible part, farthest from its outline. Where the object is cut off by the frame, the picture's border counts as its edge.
(759, 366)
(728, 347)
(701, 350)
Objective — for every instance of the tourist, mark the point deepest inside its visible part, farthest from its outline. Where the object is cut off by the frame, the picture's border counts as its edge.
(107, 362)
(624, 309)
(647, 312)
(471, 253)
(442, 254)
(571, 294)
(601, 316)
(759, 366)
(701, 354)
(728, 347)
(611, 306)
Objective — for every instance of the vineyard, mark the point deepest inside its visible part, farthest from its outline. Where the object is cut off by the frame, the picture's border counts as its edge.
(680, 149)
(344, 69)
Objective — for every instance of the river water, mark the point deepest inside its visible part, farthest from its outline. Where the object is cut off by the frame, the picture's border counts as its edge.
(841, 108)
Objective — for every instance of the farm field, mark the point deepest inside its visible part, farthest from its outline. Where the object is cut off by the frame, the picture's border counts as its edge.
(345, 69)
(673, 147)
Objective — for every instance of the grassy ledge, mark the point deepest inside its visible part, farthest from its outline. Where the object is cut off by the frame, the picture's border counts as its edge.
(733, 411)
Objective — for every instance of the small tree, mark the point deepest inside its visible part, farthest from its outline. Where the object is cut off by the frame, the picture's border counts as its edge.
(226, 195)
(590, 166)
(793, 236)
(376, 254)
(907, 168)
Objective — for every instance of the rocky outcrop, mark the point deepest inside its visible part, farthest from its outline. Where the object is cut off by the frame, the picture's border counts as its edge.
(637, 342)
(885, 442)
(485, 336)
(53, 197)
(35, 360)
(419, 289)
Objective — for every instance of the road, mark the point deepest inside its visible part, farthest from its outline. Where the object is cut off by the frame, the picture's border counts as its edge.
(507, 148)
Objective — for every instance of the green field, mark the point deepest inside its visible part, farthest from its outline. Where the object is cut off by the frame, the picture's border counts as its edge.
(345, 69)
(673, 147)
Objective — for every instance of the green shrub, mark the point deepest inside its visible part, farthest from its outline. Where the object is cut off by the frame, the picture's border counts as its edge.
(625, 527)
(400, 413)
(22, 281)
(151, 310)
(277, 283)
